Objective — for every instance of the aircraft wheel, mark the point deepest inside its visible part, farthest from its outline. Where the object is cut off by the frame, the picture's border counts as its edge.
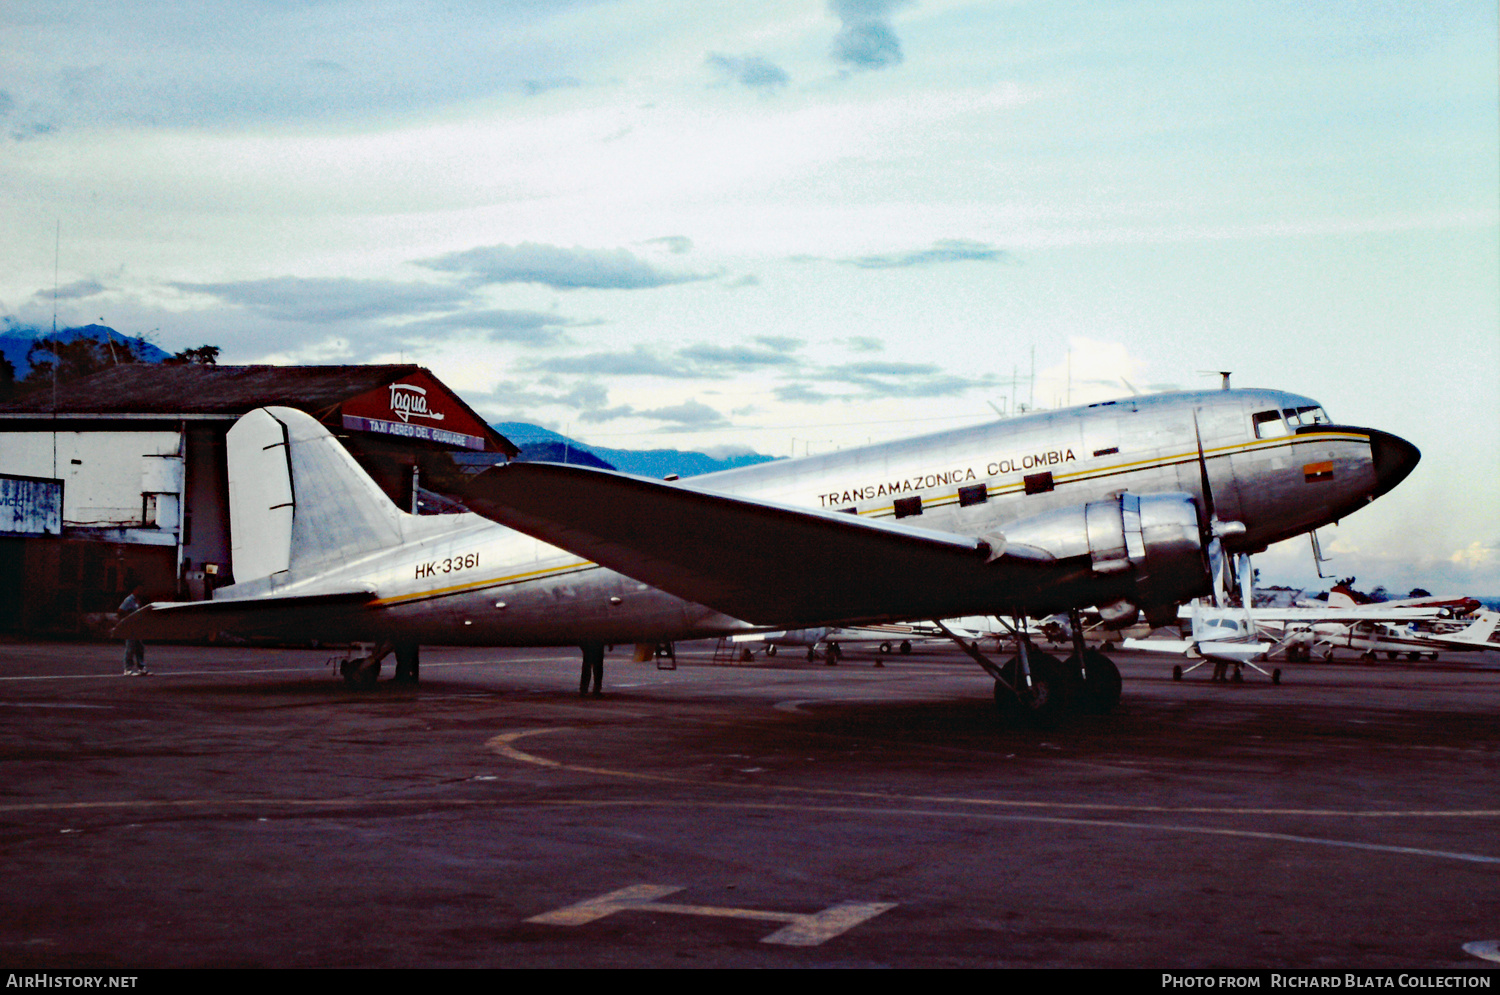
(1276, 675)
(1391, 654)
(1177, 672)
(834, 655)
(1238, 677)
(885, 647)
(771, 649)
(1099, 682)
(905, 647)
(812, 654)
(1414, 657)
(1046, 701)
(360, 672)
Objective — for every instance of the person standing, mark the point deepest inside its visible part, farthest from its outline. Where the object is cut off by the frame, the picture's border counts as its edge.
(135, 650)
(593, 669)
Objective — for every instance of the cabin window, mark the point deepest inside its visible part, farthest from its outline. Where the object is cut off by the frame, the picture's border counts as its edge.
(906, 507)
(973, 494)
(1269, 425)
(1038, 483)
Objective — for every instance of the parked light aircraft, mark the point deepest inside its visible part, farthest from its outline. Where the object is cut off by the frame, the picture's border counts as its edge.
(886, 637)
(1121, 505)
(1237, 637)
(1383, 634)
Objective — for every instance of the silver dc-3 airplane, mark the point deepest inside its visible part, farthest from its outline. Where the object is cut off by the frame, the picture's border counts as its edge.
(1125, 505)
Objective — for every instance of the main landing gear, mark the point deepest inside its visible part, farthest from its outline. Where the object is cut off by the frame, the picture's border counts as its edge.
(1040, 689)
(363, 671)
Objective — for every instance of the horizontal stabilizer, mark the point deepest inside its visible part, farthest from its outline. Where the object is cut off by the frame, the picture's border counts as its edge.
(240, 616)
(763, 562)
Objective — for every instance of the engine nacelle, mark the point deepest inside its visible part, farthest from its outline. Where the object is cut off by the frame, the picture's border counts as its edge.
(1143, 550)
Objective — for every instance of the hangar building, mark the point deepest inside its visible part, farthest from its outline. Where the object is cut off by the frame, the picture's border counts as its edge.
(119, 478)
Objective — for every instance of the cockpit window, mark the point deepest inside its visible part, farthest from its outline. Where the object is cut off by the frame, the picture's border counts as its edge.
(1308, 414)
(1269, 425)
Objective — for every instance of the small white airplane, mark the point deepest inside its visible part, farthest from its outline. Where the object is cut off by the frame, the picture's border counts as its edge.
(1122, 505)
(1238, 636)
(1381, 633)
(885, 637)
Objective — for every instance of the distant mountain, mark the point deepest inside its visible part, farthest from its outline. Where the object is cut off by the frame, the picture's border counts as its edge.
(560, 452)
(537, 443)
(16, 341)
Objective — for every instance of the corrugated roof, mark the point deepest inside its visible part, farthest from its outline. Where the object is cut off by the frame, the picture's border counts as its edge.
(195, 389)
(136, 390)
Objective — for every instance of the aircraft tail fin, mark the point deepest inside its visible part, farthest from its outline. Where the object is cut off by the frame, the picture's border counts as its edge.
(1480, 630)
(298, 501)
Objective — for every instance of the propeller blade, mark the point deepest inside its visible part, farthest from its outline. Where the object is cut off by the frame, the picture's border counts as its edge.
(1208, 491)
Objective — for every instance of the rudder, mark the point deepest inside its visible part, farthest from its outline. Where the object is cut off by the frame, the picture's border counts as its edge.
(298, 502)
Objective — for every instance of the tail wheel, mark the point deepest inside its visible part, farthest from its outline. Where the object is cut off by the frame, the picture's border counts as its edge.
(360, 672)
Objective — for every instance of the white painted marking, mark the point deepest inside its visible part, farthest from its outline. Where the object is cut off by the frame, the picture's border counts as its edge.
(801, 929)
(40, 704)
(1484, 949)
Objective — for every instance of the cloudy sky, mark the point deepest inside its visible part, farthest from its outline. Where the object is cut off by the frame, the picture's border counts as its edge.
(798, 223)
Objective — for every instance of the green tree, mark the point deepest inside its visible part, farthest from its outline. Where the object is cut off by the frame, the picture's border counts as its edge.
(74, 359)
(7, 379)
(204, 355)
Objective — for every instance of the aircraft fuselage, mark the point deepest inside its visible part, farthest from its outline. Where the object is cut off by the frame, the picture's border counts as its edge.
(1273, 460)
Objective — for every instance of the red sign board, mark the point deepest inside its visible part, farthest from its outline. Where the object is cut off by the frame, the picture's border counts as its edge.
(416, 407)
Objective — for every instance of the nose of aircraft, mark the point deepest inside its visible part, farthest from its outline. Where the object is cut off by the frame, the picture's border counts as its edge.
(1394, 458)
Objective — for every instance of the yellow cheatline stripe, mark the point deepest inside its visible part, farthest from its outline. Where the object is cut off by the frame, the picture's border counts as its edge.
(940, 502)
(476, 585)
(1154, 463)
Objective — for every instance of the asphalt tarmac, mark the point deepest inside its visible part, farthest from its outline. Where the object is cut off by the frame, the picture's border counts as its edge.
(242, 808)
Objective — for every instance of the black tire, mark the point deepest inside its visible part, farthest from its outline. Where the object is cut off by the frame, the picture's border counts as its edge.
(1047, 699)
(1099, 682)
(1177, 672)
(359, 673)
(905, 647)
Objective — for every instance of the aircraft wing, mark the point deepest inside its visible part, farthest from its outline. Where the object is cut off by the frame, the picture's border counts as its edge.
(1356, 613)
(763, 562)
(243, 616)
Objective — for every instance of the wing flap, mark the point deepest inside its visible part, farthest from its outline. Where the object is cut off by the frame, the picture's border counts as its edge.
(766, 563)
(241, 616)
